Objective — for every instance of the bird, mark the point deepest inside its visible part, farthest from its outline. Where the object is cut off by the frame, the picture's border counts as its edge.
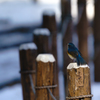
(75, 54)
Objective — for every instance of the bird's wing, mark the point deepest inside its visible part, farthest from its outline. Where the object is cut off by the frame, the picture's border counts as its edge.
(73, 52)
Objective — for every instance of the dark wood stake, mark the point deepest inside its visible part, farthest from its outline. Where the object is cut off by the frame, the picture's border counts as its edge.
(66, 39)
(82, 30)
(78, 78)
(97, 40)
(45, 77)
(41, 39)
(65, 9)
(28, 53)
(49, 21)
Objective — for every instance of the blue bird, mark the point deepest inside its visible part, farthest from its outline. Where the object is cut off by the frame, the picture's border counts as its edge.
(74, 54)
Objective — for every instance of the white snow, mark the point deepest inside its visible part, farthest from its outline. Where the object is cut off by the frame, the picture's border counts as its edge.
(27, 46)
(11, 93)
(9, 65)
(19, 13)
(41, 31)
(48, 12)
(74, 65)
(45, 58)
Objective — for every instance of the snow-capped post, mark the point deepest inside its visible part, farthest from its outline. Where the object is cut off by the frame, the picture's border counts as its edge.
(41, 39)
(49, 21)
(28, 53)
(46, 77)
(79, 85)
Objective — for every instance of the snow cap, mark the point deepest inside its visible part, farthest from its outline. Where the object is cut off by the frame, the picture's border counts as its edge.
(41, 31)
(45, 58)
(27, 46)
(74, 65)
(49, 12)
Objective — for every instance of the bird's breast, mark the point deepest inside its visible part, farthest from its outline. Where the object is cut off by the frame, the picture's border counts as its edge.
(70, 55)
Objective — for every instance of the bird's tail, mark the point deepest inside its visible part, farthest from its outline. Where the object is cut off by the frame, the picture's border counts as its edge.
(80, 61)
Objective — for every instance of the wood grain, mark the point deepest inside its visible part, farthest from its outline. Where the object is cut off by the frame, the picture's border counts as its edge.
(78, 82)
(46, 75)
(27, 63)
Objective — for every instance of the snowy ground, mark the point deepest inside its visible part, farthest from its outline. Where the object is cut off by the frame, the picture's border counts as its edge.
(17, 14)
(15, 92)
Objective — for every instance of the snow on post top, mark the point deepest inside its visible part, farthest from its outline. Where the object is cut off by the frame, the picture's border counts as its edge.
(41, 31)
(74, 65)
(49, 12)
(27, 46)
(45, 58)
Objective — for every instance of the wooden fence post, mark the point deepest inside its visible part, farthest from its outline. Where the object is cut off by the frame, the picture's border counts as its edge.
(78, 78)
(49, 21)
(82, 29)
(65, 9)
(28, 53)
(97, 40)
(66, 39)
(41, 39)
(46, 77)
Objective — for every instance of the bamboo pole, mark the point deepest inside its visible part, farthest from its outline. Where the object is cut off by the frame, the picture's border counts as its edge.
(41, 39)
(82, 30)
(46, 77)
(28, 53)
(97, 40)
(78, 78)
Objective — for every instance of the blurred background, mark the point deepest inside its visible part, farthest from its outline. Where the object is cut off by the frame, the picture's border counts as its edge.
(77, 21)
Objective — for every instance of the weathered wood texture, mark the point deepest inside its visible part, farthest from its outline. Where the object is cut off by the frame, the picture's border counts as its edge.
(42, 42)
(97, 40)
(66, 39)
(82, 30)
(27, 63)
(78, 82)
(46, 76)
(49, 21)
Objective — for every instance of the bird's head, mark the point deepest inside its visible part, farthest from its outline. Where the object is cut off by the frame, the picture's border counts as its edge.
(70, 45)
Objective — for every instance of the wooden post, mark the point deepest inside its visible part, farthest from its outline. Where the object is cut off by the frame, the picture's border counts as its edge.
(41, 39)
(82, 30)
(46, 77)
(49, 21)
(28, 53)
(67, 28)
(65, 9)
(78, 78)
(97, 40)
(66, 39)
